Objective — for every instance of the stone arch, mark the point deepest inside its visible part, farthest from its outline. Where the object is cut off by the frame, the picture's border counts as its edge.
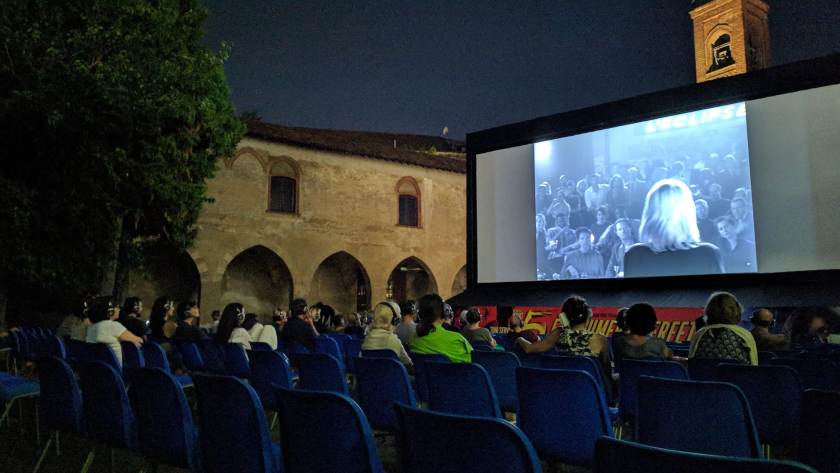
(459, 284)
(341, 282)
(411, 278)
(260, 155)
(168, 273)
(259, 279)
(238, 188)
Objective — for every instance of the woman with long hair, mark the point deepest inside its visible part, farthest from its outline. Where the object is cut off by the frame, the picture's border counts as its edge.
(432, 338)
(161, 323)
(230, 326)
(626, 239)
(669, 240)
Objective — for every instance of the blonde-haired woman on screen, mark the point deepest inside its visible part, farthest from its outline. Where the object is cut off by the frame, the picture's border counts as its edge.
(669, 241)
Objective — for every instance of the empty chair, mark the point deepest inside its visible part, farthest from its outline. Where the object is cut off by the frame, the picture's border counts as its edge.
(155, 357)
(562, 412)
(269, 368)
(106, 413)
(381, 353)
(705, 369)
(582, 363)
(628, 381)
(132, 356)
(165, 431)
(380, 382)
(819, 431)
(193, 359)
(14, 388)
(420, 377)
(620, 456)
(814, 373)
(774, 394)
(76, 351)
(714, 418)
(461, 388)
(501, 366)
(236, 361)
(321, 372)
(53, 346)
(329, 346)
(230, 413)
(476, 444)
(60, 402)
(323, 432)
(103, 353)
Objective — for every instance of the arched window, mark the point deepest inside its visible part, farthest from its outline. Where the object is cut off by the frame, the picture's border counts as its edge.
(408, 203)
(283, 189)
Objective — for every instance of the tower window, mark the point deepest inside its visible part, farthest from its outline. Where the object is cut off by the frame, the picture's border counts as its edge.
(282, 194)
(408, 200)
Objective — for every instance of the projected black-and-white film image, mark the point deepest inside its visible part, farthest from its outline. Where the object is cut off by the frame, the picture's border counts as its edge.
(665, 197)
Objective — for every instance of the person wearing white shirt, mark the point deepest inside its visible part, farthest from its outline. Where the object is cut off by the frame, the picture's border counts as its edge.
(105, 329)
(381, 336)
(259, 332)
(230, 326)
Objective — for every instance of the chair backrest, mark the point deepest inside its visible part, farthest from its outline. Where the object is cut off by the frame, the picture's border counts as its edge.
(352, 348)
(321, 372)
(329, 346)
(155, 357)
(231, 419)
(705, 369)
(60, 402)
(774, 394)
(480, 345)
(562, 412)
(814, 373)
(381, 353)
(236, 361)
(295, 348)
(132, 356)
(106, 412)
(193, 360)
(576, 362)
(621, 456)
(260, 346)
(325, 431)
(103, 353)
(380, 382)
(461, 388)
(269, 368)
(501, 367)
(76, 351)
(476, 444)
(165, 429)
(819, 430)
(53, 346)
(420, 377)
(696, 416)
(628, 381)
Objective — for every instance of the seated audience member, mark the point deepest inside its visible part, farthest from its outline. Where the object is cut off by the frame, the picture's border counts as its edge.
(105, 329)
(407, 328)
(762, 320)
(706, 226)
(130, 316)
(601, 222)
(638, 342)
(186, 322)
(560, 239)
(214, 322)
(161, 323)
(810, 327)
(621, 324)
(584, 262)
(722, 337)
(517, 330)
(742, 219)
(75, 325)
(575, 339)
(381, 336)
(473, 332)
(278, 321)
(432, 338)
(259, 332)
(738, 254)
(301, 325)
(338, 323)
(626, 239)
(448, 318)
(354, 326)
(230, 326)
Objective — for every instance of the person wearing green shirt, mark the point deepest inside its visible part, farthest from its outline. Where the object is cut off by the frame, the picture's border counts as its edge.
(432, 338)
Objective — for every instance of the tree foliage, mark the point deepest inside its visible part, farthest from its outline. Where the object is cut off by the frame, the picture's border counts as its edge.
(113, 116)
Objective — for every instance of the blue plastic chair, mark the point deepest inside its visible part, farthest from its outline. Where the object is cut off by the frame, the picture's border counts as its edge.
(53, 346)
(60, 402)
(476, 444)
(193, 359)
(102, 353)
(352, 350)
(106, 413)
(331, 347)
(380, 382)
(321, 372)
(461, 388)
(628, 381)
(420, 376)
(155, 357)
(14, 389)
(231, 418)
(268, 369)
(714, 418)
(814, 373)
(706, 369)
(819, 430)
(562, 412)
(480, 345)
(260, 346)
(165, 430)
(132, 356)
(620, 456)
(581, 363)
(76, 351)
(310, 420)
(236, 361)
(501, 367)
(381, 353)
(774, 394)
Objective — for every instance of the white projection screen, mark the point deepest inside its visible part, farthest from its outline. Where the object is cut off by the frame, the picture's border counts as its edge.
(626, 201)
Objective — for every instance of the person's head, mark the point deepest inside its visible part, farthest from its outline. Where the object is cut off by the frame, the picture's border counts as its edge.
(584, 239)
(215, 315)
(811, 325)
(132, 306)
(352, 320)
(723, 308)
(540, 222)
(280, 318)
(188, 311)
(762, 318)
(601, 215)
(473, 316)
(560, 210)
(641, 319)
(577, 311)
(581, 186)
(702, 209)
(103, 308)
(616, 183)
(621, 319)
(162, 309)
(232, 317)
(544, 190)
(408, 309)
(624, 230)
(619, 212)
(738, 207)
(715, 190)
(82, 310)
(741, 193)
(298, 308)
(669, 219)
(249, 321)
(429, 311)
(384, 315)
(515, 323)
(448, 313)
(726, 227)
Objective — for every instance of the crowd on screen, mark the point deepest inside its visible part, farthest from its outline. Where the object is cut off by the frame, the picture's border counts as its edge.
(586, 224)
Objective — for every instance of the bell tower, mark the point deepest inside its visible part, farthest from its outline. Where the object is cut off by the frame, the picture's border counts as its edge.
(730, 37)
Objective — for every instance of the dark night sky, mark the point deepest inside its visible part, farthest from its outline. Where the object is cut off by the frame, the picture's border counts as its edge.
(418, 65)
